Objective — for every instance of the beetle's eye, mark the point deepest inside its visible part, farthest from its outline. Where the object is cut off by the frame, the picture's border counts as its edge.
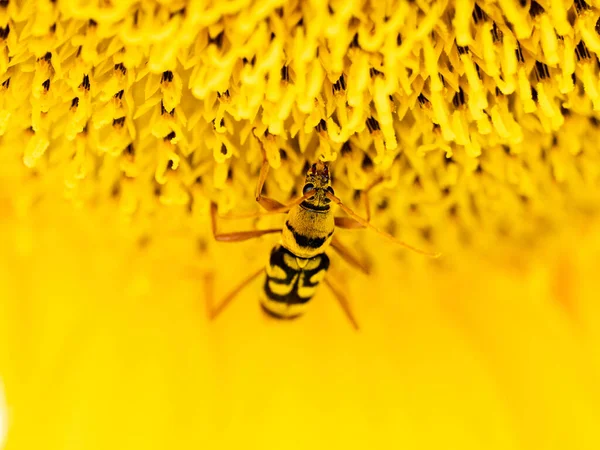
(308, 187)
(330, 190)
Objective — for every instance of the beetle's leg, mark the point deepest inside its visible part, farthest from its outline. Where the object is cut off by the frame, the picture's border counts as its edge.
(349, 222)
(283, 209)
(365, 196)
(347, 255)
(238, 235)
(343, 301)
(271, 205)
(365, 223)
(213, 312)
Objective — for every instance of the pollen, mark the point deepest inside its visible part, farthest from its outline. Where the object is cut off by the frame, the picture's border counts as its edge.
(479, 101)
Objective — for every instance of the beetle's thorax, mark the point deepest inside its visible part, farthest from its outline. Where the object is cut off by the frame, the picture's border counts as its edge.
(306, 232)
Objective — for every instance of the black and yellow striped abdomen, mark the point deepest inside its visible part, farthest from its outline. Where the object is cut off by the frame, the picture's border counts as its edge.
(291, 282)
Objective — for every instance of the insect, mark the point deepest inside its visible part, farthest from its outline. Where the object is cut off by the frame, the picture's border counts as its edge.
(298, 263)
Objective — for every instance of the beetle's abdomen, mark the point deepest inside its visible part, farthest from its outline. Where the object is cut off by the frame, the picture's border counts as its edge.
(291, 282)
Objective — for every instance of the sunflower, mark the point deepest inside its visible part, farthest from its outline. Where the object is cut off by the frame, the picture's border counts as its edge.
(471, 127)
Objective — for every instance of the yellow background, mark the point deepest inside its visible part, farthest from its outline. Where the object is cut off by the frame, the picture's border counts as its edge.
(105, 344)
